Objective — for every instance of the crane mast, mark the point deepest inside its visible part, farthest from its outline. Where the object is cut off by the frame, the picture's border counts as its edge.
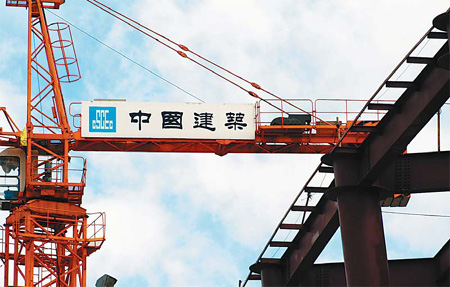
(47, 235)
(55, 126)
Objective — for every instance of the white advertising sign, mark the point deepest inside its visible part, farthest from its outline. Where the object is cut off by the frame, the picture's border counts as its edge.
(120, 119)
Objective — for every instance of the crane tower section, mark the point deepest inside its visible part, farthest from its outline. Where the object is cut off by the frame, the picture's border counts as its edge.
(47, 236)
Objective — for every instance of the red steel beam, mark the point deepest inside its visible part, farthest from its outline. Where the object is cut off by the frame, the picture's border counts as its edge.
(413, 111)
(418, 172)
(403, 272)
(399, 126)
(289, 143)
(310, 241)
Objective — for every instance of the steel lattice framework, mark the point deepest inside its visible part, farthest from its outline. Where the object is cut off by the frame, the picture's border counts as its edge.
(47, 236)
(50, 243)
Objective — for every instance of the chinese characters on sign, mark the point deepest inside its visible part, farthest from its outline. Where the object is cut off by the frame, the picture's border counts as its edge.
(235, 121)
(137, 118)
(165, 120)
(204, 121)
(172, 120)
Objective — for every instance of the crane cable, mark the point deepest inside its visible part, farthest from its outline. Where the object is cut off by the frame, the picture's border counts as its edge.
(134, 24)
(126, 57)
(181, 53)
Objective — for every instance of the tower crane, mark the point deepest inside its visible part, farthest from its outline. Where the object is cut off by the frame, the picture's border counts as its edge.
(48, 235)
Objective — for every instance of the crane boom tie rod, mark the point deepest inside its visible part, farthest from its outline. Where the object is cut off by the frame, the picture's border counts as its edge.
(183, 53)
(126, 57)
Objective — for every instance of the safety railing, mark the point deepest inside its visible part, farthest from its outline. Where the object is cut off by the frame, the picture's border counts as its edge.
(269, 109)
(320, 110)
(48, 174)
(64, 52)
(76, 116)
(345, 110)
(96, 229)
(51, 4)
(51, 169)
(405, 72)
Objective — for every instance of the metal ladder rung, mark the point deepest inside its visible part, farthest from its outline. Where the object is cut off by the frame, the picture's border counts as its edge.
(254, 277)
(437, 35)
(363, 129)
(316, 189)
(380, 107)
(291, 226)
(270, 260)
(420, 60)
(280, 243)
(400, 84)
(302, 208)
(326, 169)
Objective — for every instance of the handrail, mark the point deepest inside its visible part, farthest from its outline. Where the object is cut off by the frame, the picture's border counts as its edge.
(317, 113)
(380, 87)
(282, 220)
(94, 224)
(78, 115)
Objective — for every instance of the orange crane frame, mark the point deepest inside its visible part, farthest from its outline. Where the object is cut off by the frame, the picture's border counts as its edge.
(47, 229)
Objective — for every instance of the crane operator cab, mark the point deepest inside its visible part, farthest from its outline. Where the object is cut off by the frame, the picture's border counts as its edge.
(12, 174)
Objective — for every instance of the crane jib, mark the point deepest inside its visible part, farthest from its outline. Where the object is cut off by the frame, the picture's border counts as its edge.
(119, 119)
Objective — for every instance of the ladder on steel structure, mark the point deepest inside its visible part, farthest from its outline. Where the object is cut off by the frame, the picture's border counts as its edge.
(294, 219)
(427, 51)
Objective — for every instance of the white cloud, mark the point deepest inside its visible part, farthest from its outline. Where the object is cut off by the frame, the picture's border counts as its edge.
(177, 219)
(418, 236)
(14, 99)
(172, 214)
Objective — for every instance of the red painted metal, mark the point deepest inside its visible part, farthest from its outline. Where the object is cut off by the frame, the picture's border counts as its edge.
(10, 136)
(66, 60)
(363, 239)
(403, 121)
(403, 272)
(48, 4)
(318, 136)
(47, 237)
(48, 243)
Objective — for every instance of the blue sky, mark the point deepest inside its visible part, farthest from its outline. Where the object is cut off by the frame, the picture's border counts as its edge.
(200, 219)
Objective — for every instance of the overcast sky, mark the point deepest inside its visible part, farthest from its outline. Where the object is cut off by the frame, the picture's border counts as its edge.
(201, 219)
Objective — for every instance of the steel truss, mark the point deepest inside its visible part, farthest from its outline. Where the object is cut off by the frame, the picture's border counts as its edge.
(48, 244)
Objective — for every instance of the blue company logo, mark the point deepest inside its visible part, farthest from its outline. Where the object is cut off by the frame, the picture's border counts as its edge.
(102, 119)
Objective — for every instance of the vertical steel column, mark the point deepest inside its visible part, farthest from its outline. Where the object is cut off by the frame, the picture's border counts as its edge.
(29, 251)
(361, 224)
(84, 254)
(7, 230)
(442, 22)
(29, 124)
(363, 239)
(16, 258)
(60, 265)
(73, 266)
(272, 274)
